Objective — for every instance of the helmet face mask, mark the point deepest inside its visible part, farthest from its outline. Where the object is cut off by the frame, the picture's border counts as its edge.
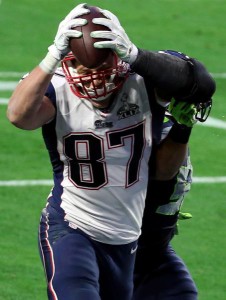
(95, 84)
(203, 110)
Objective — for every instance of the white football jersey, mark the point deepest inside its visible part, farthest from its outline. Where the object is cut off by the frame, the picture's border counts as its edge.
(104, 158)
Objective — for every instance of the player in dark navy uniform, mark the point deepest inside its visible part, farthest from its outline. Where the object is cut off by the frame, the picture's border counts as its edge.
(159, 272)
(98, 128)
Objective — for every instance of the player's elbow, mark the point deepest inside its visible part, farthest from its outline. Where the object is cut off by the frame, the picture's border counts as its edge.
(204, 84)
(16, 119)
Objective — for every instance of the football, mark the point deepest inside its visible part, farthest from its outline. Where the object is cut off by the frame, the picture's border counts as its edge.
(83, 48)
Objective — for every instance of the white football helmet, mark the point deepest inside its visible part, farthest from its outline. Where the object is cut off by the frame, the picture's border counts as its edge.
(97, 84)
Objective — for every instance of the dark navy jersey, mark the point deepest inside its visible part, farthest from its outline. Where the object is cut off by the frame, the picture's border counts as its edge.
(163, 202)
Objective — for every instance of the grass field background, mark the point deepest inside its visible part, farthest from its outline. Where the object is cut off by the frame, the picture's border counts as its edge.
(27, 28)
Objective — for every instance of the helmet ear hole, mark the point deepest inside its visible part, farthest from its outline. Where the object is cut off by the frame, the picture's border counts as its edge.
(96, 84)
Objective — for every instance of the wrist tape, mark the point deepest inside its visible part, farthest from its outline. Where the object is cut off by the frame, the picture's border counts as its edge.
(49, 64)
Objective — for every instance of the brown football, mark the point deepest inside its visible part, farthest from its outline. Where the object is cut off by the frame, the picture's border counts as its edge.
(83, 48)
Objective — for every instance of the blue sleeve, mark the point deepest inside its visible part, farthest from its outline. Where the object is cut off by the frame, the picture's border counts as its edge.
(178, 54)
(51, 94)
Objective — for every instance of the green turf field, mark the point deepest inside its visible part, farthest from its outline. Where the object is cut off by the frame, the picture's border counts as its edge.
(196, 27)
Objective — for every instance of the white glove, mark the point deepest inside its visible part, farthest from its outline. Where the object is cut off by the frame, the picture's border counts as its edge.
(118, 39)
(60, 47)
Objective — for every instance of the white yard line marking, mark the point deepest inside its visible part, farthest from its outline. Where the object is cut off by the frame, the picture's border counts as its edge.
(14, 74)
(26, 182)
(209, 179)
(11, 74)
(213, 122)
(4, 101)
(8, 85)
(210, 122)
(46, 182)
(219, 75)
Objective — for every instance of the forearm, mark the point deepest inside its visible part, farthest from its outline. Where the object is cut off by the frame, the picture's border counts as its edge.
(175, 75)
(169, 158)
(171, 152)
(167, 72)
(26, 101)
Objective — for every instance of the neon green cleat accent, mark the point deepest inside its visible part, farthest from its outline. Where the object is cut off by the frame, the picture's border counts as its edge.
(184, 216)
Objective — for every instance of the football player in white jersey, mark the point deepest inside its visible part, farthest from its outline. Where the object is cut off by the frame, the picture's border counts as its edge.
(97, 125)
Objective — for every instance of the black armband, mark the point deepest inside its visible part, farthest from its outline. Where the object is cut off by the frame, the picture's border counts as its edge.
(180, 133)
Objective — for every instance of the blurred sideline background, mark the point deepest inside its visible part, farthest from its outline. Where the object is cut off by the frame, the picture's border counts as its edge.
(195, 27)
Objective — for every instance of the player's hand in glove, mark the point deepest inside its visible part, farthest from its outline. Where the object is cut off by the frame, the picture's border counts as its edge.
(117, 38)
(183, 112)
(60, 47)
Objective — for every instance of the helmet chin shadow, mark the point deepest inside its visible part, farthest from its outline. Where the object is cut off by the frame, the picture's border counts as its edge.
(110, 88)
(95, 84)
